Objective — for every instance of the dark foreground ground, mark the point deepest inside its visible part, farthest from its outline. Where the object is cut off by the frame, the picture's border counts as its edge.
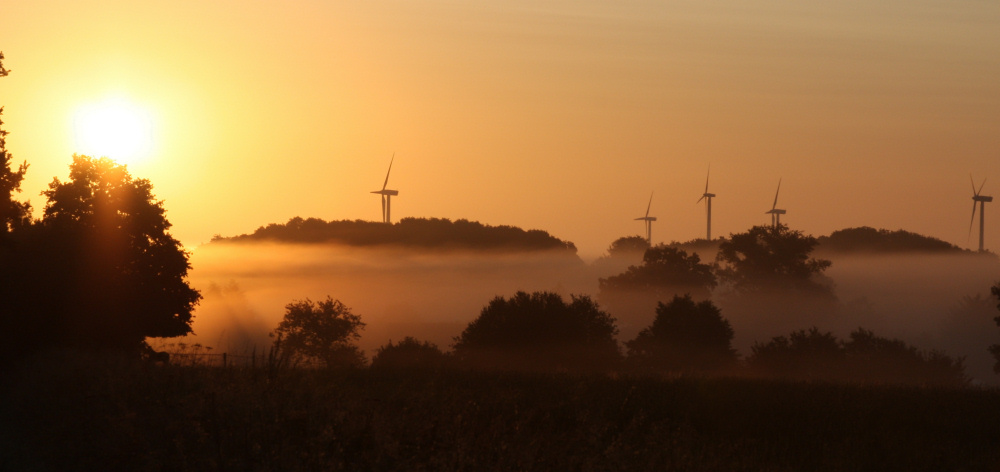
(113, 415)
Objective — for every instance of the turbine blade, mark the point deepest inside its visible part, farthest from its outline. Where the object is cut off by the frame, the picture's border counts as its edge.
(383, 208)
(973, 182)
(981, 187)
(650, 204)
(707, 176)
(973, 220)
(700, 199)
(776, 195)
(387, 173)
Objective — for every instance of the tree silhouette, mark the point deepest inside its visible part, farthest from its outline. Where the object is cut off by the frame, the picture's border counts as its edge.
(409, 354)
(665, 271)
(810, 355)
(428, 233)
(995, 348)
(767, 257)
(867, 358)
(322, 332)
(685, 337)
(876, 359)
(540, 332)
(13, 214)
(100, 270)
(866, 239)
(627, 246)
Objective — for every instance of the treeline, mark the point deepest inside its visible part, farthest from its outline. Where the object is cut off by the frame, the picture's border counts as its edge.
(427, 233)
(541, 332)
(866, 239)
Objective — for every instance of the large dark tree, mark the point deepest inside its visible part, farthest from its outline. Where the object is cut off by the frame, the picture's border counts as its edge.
(13, 214)
(100, 270)
(767, 257)
(685, 337)
(540, 332)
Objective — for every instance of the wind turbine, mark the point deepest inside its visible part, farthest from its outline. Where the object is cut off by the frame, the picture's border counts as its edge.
(708, 204)
(981, 199)
(387, 194)
(649, 221)
(775, 212)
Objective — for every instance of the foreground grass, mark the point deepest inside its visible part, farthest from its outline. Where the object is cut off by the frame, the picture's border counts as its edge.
(90, 414)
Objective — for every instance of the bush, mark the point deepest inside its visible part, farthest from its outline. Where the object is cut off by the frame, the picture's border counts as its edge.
(320, 333)
(685, 337)
(540, 332)
(409, 354)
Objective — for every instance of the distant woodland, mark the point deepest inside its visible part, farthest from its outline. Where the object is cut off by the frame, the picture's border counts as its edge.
(429, 233)
(866, 239)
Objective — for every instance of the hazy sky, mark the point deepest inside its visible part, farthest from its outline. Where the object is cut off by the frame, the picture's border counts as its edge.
(554, 115)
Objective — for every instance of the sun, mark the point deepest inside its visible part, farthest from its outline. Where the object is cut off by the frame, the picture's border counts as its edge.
(114, 128)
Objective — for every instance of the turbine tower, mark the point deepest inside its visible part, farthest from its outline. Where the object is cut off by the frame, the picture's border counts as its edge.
(775, 212)
(982, 200)
(387, 194)
(708, 204)
(649, 221)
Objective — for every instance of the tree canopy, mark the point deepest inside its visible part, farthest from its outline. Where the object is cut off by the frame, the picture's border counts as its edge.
(665, 271)
(409, 354)
(100, 269)
(866, 239)
(540, 332)
(13, 213)
(685, 337)
(767, 257)
(816, 355)
(995, 348)
(322, 332)
(627, 246)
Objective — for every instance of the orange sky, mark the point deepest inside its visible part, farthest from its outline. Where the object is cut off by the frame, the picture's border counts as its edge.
(554, 115)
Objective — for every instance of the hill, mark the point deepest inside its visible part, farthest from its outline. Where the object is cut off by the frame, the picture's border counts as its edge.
(866, 239)
(423, 233)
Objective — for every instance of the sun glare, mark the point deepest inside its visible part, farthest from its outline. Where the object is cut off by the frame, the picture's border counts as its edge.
(114, 128)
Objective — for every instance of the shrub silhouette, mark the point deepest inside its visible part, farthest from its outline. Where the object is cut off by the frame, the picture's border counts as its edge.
(540, 332)
(875, 359)
(320, 333)
(685, 337)
(995, 348)
(409, 354)
(867, 358)
(810, 355)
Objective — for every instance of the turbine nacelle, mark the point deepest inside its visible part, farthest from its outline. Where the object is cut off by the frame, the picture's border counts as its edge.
(981, 200)
(387, 194)
(708, 205)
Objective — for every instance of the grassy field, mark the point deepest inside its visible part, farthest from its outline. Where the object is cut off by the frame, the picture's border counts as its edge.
(103, 414)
